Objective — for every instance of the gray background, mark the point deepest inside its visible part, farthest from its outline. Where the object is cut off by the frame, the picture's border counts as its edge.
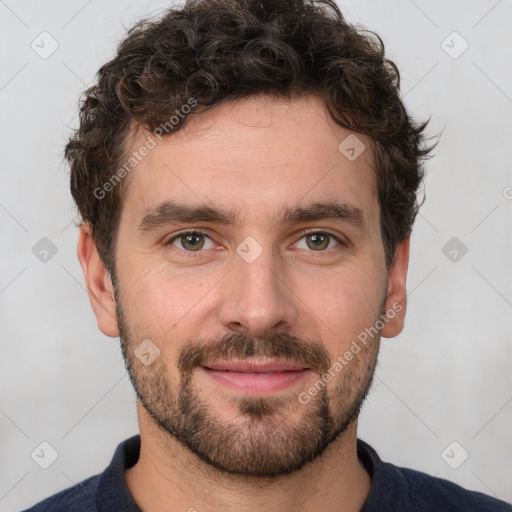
(446, 378)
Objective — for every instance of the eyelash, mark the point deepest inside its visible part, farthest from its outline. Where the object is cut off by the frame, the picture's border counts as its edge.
(194, 254)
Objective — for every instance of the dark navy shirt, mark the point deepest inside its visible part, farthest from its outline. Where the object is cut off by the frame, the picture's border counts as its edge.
(393, 489)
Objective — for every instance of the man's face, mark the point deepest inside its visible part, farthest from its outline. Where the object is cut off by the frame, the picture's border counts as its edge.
(258, 289)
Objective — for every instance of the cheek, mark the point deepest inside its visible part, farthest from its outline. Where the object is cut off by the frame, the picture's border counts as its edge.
(343, 303)
(159, 302)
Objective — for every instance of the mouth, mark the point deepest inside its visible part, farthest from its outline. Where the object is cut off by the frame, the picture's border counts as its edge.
(256, 377)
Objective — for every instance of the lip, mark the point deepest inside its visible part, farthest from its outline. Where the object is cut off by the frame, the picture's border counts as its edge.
(255, 378)
(255, 366)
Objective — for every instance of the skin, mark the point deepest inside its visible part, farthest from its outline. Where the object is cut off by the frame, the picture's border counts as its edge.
(257, 155)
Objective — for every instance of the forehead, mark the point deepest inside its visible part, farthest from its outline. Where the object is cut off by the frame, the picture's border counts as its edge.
(258, 155)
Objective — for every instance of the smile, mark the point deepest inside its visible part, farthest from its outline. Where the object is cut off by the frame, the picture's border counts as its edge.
(256, 378)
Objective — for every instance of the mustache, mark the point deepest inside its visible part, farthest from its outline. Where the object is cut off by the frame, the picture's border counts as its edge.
(277, 345)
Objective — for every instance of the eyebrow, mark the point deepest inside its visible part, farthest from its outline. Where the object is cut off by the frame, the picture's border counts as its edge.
(173, 212)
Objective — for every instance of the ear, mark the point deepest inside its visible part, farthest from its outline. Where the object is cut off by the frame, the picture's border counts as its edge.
(396, 300)
(98, 282)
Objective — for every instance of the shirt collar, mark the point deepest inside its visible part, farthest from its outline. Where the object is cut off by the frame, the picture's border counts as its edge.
(113, 494)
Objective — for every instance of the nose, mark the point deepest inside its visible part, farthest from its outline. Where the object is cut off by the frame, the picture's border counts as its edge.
(258, 298)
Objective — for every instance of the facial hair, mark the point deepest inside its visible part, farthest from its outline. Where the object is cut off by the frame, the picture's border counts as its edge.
(273, 435)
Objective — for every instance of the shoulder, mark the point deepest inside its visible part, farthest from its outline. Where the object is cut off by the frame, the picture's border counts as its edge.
(106, 491)
(396, 489)
(79, 498)
(439, 494)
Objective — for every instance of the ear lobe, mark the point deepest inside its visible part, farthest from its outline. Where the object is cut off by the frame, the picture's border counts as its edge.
(98, 282)
(396, 300)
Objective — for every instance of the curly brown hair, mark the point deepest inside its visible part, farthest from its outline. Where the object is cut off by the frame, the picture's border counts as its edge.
(219, 50)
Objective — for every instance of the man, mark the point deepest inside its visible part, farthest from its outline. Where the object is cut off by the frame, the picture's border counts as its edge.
(246, 174)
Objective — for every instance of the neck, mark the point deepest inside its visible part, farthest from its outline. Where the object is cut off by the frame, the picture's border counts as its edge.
(168, 476)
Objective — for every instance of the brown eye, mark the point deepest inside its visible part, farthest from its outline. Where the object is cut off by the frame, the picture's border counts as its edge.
(319, 241)
(190, 241)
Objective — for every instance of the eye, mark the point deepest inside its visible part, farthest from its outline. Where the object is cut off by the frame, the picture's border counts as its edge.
(320, 241)
(194, 241)
(191, 241)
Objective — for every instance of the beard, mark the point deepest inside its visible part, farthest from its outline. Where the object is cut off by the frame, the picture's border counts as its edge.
(271, 435)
